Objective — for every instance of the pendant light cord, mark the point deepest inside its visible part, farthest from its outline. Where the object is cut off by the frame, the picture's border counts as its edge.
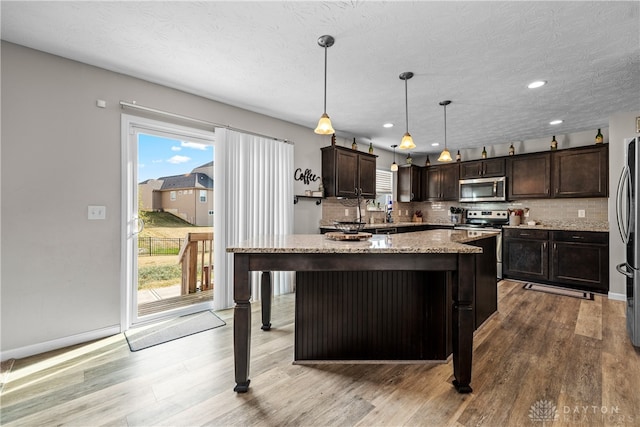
(445, 127)
(406, 107)
(325, 79)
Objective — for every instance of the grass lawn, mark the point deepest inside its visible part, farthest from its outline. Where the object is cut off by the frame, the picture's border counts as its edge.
(162, 270)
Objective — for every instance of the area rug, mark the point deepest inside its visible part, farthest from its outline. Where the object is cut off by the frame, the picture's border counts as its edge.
(160, 333)
(559, 291)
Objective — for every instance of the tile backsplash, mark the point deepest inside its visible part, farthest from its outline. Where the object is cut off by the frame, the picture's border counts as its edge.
(543, 211)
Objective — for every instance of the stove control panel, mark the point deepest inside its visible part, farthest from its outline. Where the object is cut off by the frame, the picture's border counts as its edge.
(498, 215)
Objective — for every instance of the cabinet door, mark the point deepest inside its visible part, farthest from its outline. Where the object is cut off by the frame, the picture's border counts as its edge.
(449, 185)
(584, 265)
(581, 172)
(367, 175)
(525, 259)
(346, 173)
(469, 170)
(433, 183)
(409, 184)
(493, 168)
(529, 176)
(485, 299)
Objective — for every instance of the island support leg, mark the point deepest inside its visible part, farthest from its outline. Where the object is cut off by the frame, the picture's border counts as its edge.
(463, 285)
(241, 321)
(265, 290)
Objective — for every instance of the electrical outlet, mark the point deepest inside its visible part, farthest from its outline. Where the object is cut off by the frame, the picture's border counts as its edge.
(581, 213)
(346, 212)
(97, 212)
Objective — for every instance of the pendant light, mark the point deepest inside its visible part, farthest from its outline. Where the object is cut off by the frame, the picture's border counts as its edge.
(324, 124)
(407, 141)
(394, 165)
(445, 156)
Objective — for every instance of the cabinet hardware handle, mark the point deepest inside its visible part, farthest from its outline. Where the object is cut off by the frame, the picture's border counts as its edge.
(577, 237)
(544, 245)
(555, 247)
(524, 234)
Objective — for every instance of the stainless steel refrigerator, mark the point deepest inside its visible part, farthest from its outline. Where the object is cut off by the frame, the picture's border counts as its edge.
(627, 218)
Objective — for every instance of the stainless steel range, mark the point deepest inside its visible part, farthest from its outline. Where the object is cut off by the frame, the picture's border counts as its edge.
(486, 219)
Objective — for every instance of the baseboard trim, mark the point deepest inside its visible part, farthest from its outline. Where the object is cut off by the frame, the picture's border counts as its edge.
(43, 347)
(617, 296)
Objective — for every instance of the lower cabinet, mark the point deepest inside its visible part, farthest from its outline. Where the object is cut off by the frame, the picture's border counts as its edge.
(575, 259)
(525, 254)
(581, 259)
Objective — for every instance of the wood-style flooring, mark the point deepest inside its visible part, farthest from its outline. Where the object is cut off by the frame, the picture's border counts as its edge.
(540, 351)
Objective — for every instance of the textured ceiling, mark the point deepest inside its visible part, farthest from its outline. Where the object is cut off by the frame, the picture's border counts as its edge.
(264, 57)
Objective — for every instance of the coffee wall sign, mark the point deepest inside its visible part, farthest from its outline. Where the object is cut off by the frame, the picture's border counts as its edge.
(307, 176)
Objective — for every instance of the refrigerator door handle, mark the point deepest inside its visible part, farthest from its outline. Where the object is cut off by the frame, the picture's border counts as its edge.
(622, 269)
(623, 222)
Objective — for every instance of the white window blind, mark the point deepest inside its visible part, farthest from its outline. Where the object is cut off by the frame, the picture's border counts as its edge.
(383, 181)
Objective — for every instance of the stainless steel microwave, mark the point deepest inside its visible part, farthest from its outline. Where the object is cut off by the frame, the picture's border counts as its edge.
(483, 189)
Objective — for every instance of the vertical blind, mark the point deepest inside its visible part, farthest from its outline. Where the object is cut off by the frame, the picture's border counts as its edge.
(254, 190)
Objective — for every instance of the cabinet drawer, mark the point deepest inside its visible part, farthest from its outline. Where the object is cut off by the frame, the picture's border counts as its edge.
(581, 237)
(526, 234)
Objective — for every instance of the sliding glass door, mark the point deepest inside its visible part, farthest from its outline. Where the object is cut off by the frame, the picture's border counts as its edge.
(169, 219)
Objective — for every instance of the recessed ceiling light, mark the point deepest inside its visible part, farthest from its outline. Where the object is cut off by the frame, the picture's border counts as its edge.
(435, 144)
(537, 84)
(555, 122)
(388, 125)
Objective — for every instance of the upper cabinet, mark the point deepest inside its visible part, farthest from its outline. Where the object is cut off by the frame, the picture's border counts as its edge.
(441, 182)
(581, 172)
(409, 183)
(575, 172)
(529, 176)
(345, 171)
(486, 168)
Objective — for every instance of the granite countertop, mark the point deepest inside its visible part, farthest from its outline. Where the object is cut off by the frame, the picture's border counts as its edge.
(392, 225)
(431, 241)
(566, 226)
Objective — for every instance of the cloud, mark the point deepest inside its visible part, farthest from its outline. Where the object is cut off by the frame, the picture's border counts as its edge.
(194, 145)
(176, 160)
(176, 148)
(156, 161)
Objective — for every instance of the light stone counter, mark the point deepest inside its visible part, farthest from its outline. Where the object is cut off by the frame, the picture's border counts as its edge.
(431, 241)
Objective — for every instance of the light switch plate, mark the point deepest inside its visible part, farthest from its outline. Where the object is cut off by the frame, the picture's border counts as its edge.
(97, 212)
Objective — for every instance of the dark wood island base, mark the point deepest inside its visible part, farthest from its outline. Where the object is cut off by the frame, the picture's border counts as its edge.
(402, 303)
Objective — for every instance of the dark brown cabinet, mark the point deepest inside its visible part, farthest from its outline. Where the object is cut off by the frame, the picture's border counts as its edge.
(525, 254)
(581, 172)
(577, 259)
(580, 258)
(529, 176)
(441, 182)
(409, 183)
(485, 298)
(345, 170)
(483, 168)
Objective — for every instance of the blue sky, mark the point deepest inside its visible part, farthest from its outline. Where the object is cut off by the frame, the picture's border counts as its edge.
(159, 156)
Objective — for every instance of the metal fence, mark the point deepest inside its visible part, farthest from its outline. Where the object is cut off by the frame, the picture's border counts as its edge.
(159, 246)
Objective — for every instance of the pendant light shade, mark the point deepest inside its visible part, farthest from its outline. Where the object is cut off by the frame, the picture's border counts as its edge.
(407, 141)
(394, 165)
(445, 156)
(324, 124)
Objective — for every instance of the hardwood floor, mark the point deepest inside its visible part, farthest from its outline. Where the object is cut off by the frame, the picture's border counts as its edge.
(540, 348)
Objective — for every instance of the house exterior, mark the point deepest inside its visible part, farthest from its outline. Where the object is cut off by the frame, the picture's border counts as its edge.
(189, 196)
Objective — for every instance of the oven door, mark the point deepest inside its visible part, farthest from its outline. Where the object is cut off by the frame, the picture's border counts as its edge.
(483, 189)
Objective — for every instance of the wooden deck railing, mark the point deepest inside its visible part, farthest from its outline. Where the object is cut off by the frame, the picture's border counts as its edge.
(197, 246)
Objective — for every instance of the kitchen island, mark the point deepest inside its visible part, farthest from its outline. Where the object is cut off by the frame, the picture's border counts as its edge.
(447, 258)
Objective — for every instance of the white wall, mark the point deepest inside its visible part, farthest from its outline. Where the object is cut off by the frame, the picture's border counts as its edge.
(621, 127)
(60, 278)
